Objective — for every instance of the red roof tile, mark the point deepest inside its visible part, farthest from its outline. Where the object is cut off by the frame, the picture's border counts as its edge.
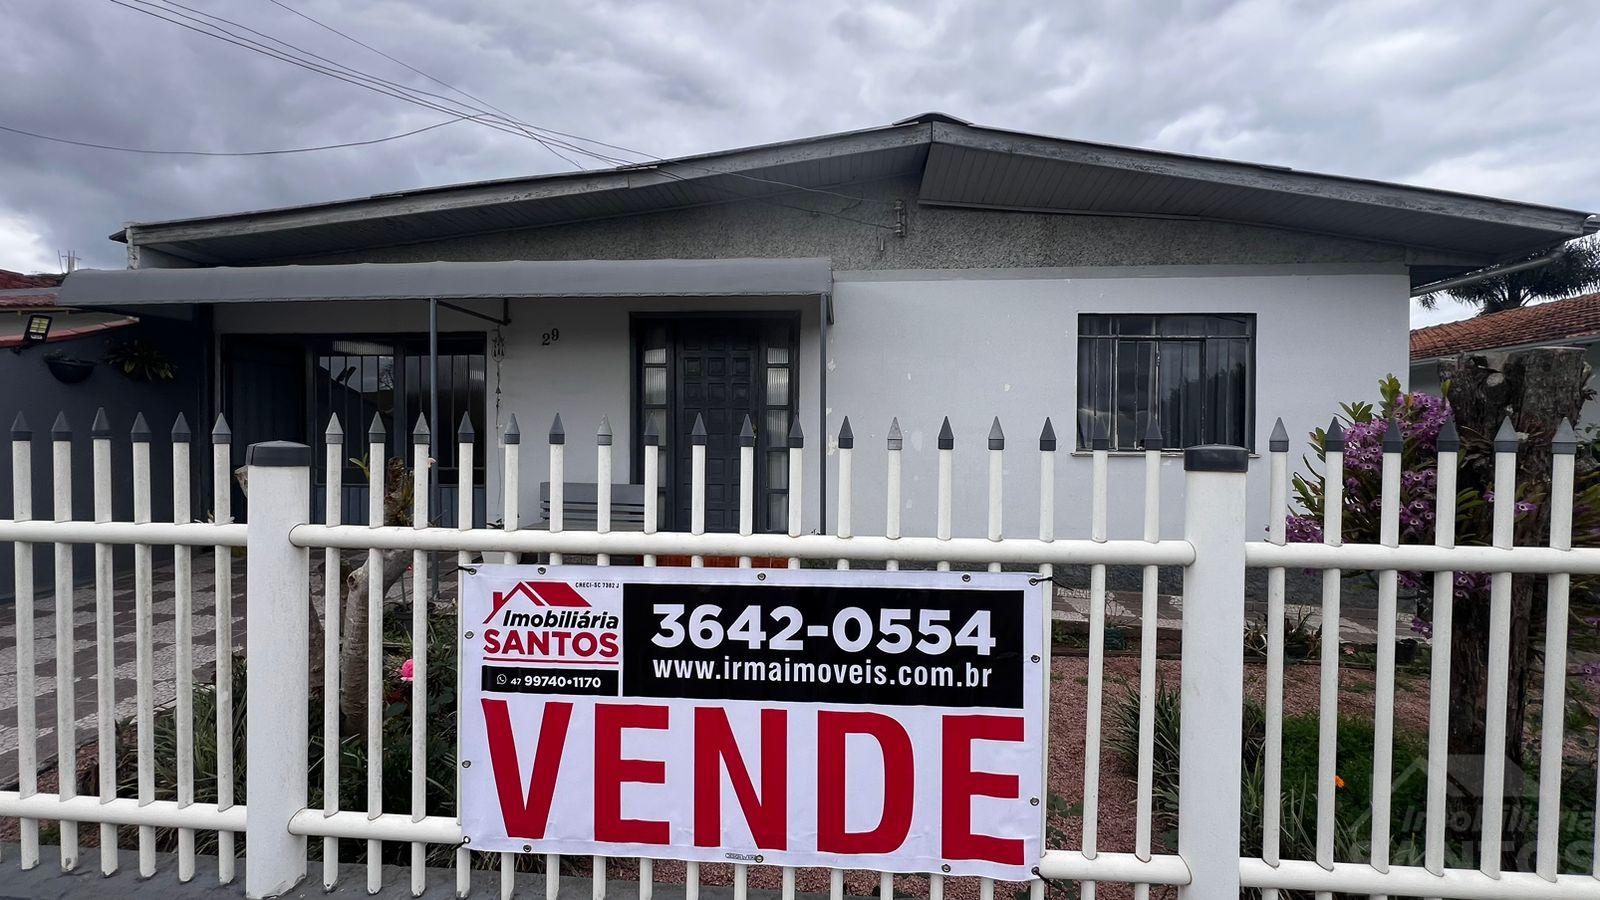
(10, 281)
(29, 300)
(1551, 322)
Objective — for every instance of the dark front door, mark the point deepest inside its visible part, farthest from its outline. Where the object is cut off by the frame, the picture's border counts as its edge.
(716, 380)
(720, 369)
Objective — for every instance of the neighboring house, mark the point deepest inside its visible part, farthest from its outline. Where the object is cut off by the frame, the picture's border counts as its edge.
(24, 298)
(1574, 322)
(919, 270)
(66, 375)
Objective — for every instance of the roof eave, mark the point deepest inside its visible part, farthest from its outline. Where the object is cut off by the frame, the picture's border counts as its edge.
(482, 193)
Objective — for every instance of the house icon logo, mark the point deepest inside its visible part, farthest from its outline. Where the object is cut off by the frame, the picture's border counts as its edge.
(556, 594)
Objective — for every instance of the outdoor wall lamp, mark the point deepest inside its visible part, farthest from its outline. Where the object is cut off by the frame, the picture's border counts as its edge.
(36, 332)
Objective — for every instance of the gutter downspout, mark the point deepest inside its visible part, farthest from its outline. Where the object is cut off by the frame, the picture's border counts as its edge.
(1590, 226)
(1490, 272)
(825, 319)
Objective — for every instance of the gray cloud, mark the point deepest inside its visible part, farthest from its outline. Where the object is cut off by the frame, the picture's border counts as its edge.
(1481, 97)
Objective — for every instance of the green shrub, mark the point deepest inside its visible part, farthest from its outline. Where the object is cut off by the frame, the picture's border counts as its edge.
(1352, 801)
(440, 750)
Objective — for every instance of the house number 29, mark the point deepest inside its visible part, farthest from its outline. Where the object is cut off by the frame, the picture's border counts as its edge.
(550, 337)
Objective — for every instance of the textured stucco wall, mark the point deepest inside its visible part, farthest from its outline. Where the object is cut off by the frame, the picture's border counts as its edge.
(972, 314)
(936, 238)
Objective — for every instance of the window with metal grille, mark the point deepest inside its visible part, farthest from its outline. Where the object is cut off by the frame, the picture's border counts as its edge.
(1193, 374)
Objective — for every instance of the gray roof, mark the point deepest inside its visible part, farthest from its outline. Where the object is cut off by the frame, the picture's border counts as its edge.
(959, 164)
(450, 281)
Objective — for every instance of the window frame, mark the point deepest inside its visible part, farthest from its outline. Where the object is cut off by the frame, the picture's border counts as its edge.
(1116, 340)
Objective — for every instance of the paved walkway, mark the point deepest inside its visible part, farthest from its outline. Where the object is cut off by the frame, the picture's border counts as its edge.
(164, 661)
(1357, 624)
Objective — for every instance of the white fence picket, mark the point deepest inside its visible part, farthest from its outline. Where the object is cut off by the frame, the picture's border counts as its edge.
(1086, 864)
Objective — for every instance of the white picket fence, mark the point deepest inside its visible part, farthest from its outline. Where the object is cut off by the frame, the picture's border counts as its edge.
(1214, 553)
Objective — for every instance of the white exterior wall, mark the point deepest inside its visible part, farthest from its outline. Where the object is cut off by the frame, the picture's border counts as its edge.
(587, 374)
(976, 344)
(920, 345)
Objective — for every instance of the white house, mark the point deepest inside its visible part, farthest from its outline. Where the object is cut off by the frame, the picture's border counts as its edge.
(924, 269)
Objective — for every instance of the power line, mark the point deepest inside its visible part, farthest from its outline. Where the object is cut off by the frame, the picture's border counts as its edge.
(648, 157)
(225, 36)
(500, 122)
(402, 63)
(96, 146)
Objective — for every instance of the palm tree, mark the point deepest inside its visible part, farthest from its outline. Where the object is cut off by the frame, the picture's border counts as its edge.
(1575, 271)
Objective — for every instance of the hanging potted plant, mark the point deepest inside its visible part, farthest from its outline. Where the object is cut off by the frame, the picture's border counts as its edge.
(139, 361)
(68, 369)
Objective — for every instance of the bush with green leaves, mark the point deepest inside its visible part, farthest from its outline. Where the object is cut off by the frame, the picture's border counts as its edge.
(1352, 799)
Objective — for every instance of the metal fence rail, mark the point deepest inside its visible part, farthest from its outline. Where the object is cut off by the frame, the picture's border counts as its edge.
(1213, 554)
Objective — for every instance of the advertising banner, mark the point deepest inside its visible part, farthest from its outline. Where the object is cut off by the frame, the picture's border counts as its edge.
(805, 717)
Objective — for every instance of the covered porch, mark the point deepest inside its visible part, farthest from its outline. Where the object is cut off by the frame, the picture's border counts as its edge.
(637, 344)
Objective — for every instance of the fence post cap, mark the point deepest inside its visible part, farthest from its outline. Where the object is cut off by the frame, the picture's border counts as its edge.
(220, 432)
(465, 433)
(652, 435)
(603, 435)
(1505, 440)
(1215, 458)
(334, 429)
(512, 434)
(60, 430)
(101, 426)
(558, 434)
(1047, 436)
(180, 430)
(376, 433)
(797, 438)
(997, 437)
(697, 434)
(19, 428)
(896, 439)
(1333, 439)
(747, 432)
(277, 454)
(1155, 440)
(1278, 442)
(847, 438)
(1565, 440)
(1449, 440)
(140, 433)
(947, 437)
(419, 432)
(1099, 438)
(1393, 440)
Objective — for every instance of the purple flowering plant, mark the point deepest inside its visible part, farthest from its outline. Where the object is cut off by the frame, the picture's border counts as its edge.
(1420, 417)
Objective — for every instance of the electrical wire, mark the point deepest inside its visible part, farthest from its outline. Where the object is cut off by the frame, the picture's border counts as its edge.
(403, 64)
(416, 96)
(91, 144)
(647, 157)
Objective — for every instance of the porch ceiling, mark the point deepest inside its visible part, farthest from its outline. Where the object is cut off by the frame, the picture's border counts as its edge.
(121, 288)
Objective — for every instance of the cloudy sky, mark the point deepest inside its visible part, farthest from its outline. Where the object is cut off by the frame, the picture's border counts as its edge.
(1492, 98)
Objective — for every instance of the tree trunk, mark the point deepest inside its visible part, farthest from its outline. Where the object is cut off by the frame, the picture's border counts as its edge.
(353, 637)
(1537, 388)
